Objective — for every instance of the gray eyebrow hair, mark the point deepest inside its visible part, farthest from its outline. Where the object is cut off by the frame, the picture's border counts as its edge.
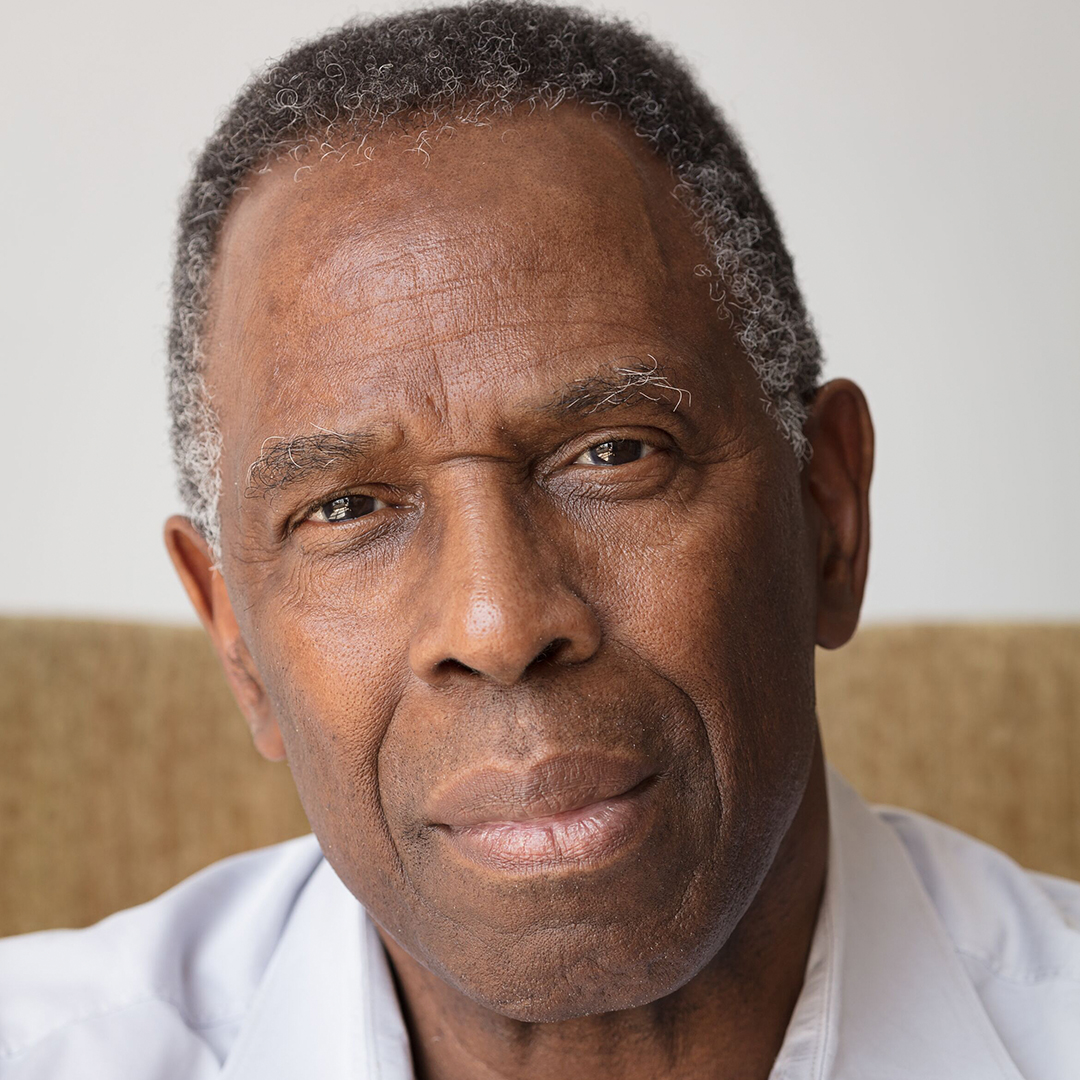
(626, 383)
(285, 461)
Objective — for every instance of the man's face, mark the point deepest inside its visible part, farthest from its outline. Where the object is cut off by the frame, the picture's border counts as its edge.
(520, 561)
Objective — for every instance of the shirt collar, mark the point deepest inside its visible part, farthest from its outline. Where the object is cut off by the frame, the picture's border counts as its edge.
(327, 1005)
(885, 995)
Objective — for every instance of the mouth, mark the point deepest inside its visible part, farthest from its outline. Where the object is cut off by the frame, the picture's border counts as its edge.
(570, 811)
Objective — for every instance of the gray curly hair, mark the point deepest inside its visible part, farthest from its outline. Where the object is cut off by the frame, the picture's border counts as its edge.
(471, 64)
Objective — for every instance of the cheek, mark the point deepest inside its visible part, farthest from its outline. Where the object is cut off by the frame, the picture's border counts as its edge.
(329, 656)
(715, 589)
(718, 599)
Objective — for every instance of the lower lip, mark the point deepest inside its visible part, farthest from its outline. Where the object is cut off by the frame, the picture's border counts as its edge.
(582, 837)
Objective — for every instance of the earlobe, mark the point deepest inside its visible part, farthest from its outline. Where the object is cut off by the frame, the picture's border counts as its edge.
(837, 490)
(202, 581)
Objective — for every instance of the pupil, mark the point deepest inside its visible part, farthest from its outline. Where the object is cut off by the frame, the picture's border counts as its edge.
(616, 452)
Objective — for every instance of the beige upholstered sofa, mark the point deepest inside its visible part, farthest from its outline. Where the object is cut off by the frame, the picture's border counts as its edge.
(125, 766)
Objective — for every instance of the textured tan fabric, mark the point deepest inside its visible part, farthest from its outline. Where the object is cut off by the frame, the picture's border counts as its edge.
(125, 766)
(978, 726)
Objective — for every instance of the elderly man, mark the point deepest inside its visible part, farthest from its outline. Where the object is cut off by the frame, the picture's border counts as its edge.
(516, 510)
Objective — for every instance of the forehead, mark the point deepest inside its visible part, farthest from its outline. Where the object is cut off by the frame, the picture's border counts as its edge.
(508, 248)
(395, 197)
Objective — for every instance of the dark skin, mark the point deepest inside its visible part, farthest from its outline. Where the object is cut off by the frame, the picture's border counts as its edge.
(499, 490)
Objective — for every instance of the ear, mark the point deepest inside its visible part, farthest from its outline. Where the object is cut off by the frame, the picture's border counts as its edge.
(206, 590)
(836, 487)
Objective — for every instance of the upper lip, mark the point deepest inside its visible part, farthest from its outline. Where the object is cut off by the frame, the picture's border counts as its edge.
(555, 785)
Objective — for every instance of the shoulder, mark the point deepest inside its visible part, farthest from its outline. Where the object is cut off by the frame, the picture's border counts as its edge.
(1017, 933)
(185, 964)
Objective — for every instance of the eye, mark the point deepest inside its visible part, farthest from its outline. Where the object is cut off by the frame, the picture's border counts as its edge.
(615, 452)
(346, 508)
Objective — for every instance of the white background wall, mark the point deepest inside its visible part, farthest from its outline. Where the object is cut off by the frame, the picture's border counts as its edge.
(923, 158)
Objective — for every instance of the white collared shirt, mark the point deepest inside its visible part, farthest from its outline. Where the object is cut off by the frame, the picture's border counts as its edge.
(935, 956)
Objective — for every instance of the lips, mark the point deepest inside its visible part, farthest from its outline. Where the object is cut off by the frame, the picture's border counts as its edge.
(571, 810)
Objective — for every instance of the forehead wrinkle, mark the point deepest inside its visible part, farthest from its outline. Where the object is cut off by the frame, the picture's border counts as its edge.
(484, 269)
(407, 208)
(452, 313)
(456, 307)
(403, 206)
(287, 208)
(350, 348)
(411, 372)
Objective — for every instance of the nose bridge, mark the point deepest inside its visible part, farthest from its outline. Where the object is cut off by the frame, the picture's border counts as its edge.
(497, 598)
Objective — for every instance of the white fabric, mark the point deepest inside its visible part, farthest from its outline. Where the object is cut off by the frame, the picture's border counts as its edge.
(935, 956)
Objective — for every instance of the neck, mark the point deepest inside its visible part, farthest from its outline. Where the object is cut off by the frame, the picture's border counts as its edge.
(729, 1020)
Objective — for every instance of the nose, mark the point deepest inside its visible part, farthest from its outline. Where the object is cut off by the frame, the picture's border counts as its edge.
(497, 602)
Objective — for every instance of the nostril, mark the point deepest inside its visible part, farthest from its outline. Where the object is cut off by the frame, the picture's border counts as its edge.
(550, 650)
(450, 666)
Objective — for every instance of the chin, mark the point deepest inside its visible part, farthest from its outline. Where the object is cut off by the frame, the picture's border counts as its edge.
(574, 975)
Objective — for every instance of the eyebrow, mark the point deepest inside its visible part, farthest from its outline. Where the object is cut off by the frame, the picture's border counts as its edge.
(285, 461)
(624, 384)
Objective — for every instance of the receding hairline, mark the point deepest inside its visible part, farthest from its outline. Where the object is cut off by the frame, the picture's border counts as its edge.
(670, 224)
